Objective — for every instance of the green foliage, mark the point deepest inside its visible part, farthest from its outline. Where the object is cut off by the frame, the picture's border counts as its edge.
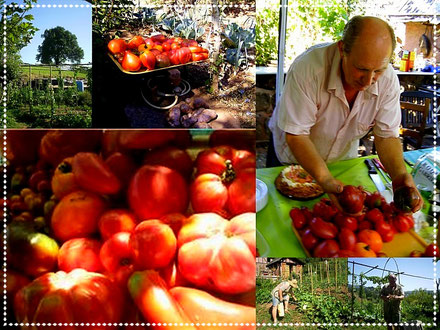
(185, 23)
(267, 35)
(59, 45)
(238, 40)
(109, 17)
(419, 305)
(263, 290)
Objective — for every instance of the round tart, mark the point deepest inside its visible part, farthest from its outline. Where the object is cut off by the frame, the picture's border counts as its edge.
(294, 182)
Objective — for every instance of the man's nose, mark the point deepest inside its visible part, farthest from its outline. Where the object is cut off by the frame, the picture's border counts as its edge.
(368, 78)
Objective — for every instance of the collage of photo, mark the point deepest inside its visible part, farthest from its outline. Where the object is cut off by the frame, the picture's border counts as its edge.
(210, 164)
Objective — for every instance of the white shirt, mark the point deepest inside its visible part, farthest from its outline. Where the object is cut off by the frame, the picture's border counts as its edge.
(313, 103)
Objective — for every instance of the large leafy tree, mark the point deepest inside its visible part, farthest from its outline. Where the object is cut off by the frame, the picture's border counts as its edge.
(59, 45)
(19, 32)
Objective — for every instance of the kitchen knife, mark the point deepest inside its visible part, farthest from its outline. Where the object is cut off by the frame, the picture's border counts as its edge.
(374, 176)
(381, 170)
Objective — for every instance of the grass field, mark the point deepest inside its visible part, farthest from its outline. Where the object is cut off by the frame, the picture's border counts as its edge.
(44, 72)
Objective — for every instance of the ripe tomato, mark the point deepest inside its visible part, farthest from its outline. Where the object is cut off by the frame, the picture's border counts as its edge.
(92, 173)
(197, 49)
(208, 194)
(175, 221)
(343, 221)
(236, 170)
(238, 139)
(117, 46)
(351, 199)
(145, 139)
(80, 253)
(347, 239)
(117, 257)
(156, 190)
(122, 166)
(363, 250)
(371, 238)
(131, 62)
(184, 55)
(78, 296)
(162, 61)
(385, 231)
(199, 56)
(135, 42)
(323, 229)
(116, 221)
(403, 222)
(374, 215)
(153, 243)
(63, 180)
(148, 59)
(326, 249)
(174, 57)
(171, 157)
(149, 43)
(298, 218)
(309, 240)
(365, 225)
(325, 209)
(203, 307)
(172, 276)
(77, 215)
(160, 38)
(374, 200)
(430, 250)
(218, 254)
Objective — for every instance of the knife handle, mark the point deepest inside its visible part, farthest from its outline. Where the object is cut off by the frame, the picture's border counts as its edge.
(371, 169)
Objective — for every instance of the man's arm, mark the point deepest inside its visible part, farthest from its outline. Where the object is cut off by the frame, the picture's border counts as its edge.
(308, 157)
(391, 155)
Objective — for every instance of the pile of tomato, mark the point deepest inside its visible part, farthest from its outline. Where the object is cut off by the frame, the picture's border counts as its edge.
(129, 226)
(155, 52)
(326, 231)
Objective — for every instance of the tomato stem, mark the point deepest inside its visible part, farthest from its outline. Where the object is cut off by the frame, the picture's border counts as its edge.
(65, 167)
(229, 174)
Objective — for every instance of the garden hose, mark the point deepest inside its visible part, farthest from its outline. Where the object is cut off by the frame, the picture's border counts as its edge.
(186, 88)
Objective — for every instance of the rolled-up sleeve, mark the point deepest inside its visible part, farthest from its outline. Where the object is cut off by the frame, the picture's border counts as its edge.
(388, 117)
(297, 109)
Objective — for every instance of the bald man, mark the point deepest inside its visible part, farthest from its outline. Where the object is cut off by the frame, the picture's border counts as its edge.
(334, 94)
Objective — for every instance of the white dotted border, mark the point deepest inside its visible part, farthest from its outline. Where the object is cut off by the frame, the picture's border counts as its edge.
(182, 324)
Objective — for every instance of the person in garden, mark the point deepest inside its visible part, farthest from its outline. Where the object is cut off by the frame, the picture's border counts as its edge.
(333, 95)
(281, 294)
(392, 295)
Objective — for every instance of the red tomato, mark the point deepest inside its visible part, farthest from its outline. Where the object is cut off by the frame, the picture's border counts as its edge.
(403, 222)
(63, 180)
(238, 139)
(416, 254)
(218, 254)
(236, 170)
(174, 57)
(78, 296)
(14, 282)
(298, 218)
(363, 250)
(325, 209)
(175, 45)
(172, 157)
(365, 225)
(142, 48)
(92, 173)
(145, 139)
(158, 47)
(158, 38)
(323, 229)
(374, 200)
(77, 215)
(135, 42)
(309, 240)
(343, 221)
(347, 239)
(172, 276)
(162, 61)
(166, 45)
(199, 56)
(131, 62)
(351, 199)
(184, 55)
(122, 166)
(196, 49)
(80, 253)
(371, 238)
(148, 59)
(175, 221)
(150, 294)
(153, 243)
(205, 308)
(117, 46)
(116, 221)
(374, 216)
(149, 43)
(156, 190)
(117, 256)
(431, 251)
(208, 194)
(385, 231)
(326, 249)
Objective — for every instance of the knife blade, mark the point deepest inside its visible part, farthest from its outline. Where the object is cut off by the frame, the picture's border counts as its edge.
(381, 170)
(374, 176)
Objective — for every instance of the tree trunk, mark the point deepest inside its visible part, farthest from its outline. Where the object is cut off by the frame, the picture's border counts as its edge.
(217, 41)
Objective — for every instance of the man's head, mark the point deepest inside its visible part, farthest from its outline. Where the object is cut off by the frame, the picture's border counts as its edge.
(366, 48)
(392, 279)
(293, 283)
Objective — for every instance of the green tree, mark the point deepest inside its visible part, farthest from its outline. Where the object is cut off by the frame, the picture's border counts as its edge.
(59, 45)
(19, 32)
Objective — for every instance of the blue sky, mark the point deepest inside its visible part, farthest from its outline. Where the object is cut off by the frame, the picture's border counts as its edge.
(76, 20)
(414, 266)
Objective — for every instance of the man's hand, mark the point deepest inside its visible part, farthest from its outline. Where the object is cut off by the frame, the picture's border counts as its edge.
(406, 179)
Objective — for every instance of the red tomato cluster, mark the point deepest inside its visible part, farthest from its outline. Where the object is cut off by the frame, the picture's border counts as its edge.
(327, 232)
(123, 230)
(155, 52)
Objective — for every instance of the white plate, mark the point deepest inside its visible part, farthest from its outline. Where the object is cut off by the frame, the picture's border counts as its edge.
(261, 195)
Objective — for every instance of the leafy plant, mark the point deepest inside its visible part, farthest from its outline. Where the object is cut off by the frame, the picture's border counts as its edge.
(267, 35)
(110, 16)
(238, 40)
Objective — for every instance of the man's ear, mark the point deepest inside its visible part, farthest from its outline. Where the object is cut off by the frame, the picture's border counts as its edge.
(340, 48)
